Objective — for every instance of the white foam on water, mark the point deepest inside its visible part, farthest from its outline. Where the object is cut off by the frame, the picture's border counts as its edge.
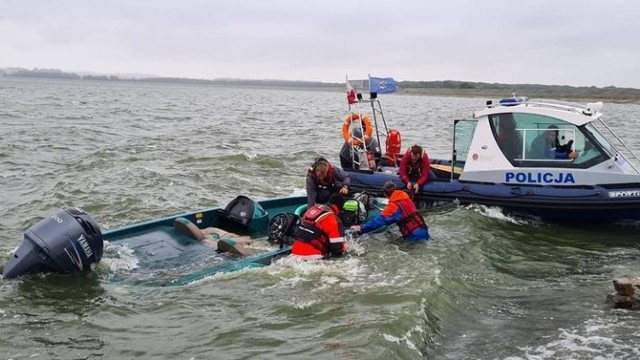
(346, 272)
(120, 257)
(299, 192)
(496, 212)
(597, 338)
(250, 156)
(354, 247)
(405, 339)
(301, 305)
(335, 272)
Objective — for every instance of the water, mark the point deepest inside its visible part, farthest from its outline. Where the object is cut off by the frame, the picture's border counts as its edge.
(487, 286)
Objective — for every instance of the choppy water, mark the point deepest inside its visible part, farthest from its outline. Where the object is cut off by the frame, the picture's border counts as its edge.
(486, 287)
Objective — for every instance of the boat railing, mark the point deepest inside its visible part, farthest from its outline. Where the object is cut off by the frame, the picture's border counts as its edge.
(619, 145)
(379, 122)
(588, 109)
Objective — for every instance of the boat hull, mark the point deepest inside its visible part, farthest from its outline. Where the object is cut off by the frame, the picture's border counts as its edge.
(579, 204)
(167, 257)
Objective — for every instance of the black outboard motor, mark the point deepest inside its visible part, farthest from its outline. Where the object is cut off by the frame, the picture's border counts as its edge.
(66, 242)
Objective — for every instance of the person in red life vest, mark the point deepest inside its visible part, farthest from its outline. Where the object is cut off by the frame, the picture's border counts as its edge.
(320, 233)
(400, 210)
(323, 180)
(415, 168)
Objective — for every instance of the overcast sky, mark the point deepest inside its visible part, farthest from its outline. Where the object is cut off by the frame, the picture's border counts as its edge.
(564, 42)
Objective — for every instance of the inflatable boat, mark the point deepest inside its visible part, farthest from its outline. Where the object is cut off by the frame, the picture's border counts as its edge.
(552, 160)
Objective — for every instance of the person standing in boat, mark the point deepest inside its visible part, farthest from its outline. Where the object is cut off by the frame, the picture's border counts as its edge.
(415, 168)
(509, 139)
(351, 150)
(320, 233)
(323, 180)
(547, 146)
(401, 211)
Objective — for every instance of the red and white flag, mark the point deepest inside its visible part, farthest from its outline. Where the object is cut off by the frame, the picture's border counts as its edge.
(351, 94)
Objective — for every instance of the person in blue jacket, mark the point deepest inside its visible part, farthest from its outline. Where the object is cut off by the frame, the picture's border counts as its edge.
(401, 211)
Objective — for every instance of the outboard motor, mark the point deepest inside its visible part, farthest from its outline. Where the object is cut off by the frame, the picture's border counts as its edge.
(66, 242)
(353, 213)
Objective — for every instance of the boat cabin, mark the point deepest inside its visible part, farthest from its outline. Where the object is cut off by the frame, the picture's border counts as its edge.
(518, 141)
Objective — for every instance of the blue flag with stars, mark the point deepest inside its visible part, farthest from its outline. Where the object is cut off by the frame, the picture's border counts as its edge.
(382, 85)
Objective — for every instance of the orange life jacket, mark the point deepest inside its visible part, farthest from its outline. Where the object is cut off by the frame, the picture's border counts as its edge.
(411, 218)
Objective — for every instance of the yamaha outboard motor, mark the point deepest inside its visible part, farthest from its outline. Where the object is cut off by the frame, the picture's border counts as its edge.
(66, 242)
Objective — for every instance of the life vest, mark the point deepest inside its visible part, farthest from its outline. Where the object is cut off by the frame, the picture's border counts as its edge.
(393, 146)
(415, 171)
(309, 232)
(329, 181)
(411, 218)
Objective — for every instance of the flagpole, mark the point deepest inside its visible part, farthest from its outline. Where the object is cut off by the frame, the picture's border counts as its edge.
(346, 82)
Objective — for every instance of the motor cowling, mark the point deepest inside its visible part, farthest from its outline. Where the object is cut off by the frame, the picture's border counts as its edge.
(68, 241)
(353, 212)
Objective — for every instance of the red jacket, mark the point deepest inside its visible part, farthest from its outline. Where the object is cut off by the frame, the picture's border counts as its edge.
(410, 172)
(332, 240)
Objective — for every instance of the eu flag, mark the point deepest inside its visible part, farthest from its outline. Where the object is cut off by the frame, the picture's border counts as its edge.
(382, 85)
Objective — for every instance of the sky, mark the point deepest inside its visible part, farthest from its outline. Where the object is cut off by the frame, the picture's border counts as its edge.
(554, 42)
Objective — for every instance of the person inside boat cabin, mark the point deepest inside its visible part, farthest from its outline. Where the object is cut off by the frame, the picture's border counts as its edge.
(415, 168)
(509, 140)
(401, 211)
(547, 146)
(355, 146)
(320, 233)
(323, 180)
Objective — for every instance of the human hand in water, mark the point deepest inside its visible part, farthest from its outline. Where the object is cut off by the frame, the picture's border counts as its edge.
(356, 228)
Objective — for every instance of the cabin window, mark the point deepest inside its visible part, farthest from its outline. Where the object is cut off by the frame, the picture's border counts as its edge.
(531, 140)
(506, 132)
(463, 132)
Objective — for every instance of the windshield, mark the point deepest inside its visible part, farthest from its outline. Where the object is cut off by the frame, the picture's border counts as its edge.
(606, 145)
(533, 140)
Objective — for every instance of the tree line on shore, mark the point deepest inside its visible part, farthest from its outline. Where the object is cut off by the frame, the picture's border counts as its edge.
(442, 88)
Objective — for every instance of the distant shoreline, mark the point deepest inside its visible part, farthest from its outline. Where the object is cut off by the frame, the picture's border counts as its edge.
(434, 88)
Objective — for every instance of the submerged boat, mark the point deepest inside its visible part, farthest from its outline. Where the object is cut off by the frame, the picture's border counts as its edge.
(555, 161)
(71, 241)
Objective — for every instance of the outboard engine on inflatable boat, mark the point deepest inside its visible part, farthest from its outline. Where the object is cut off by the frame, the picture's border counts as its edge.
(68, 241)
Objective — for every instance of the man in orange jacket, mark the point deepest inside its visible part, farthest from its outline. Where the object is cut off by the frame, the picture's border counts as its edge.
(320, 233)
(400, 210)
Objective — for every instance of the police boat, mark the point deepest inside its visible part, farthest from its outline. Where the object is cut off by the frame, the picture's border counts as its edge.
(552, 160)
